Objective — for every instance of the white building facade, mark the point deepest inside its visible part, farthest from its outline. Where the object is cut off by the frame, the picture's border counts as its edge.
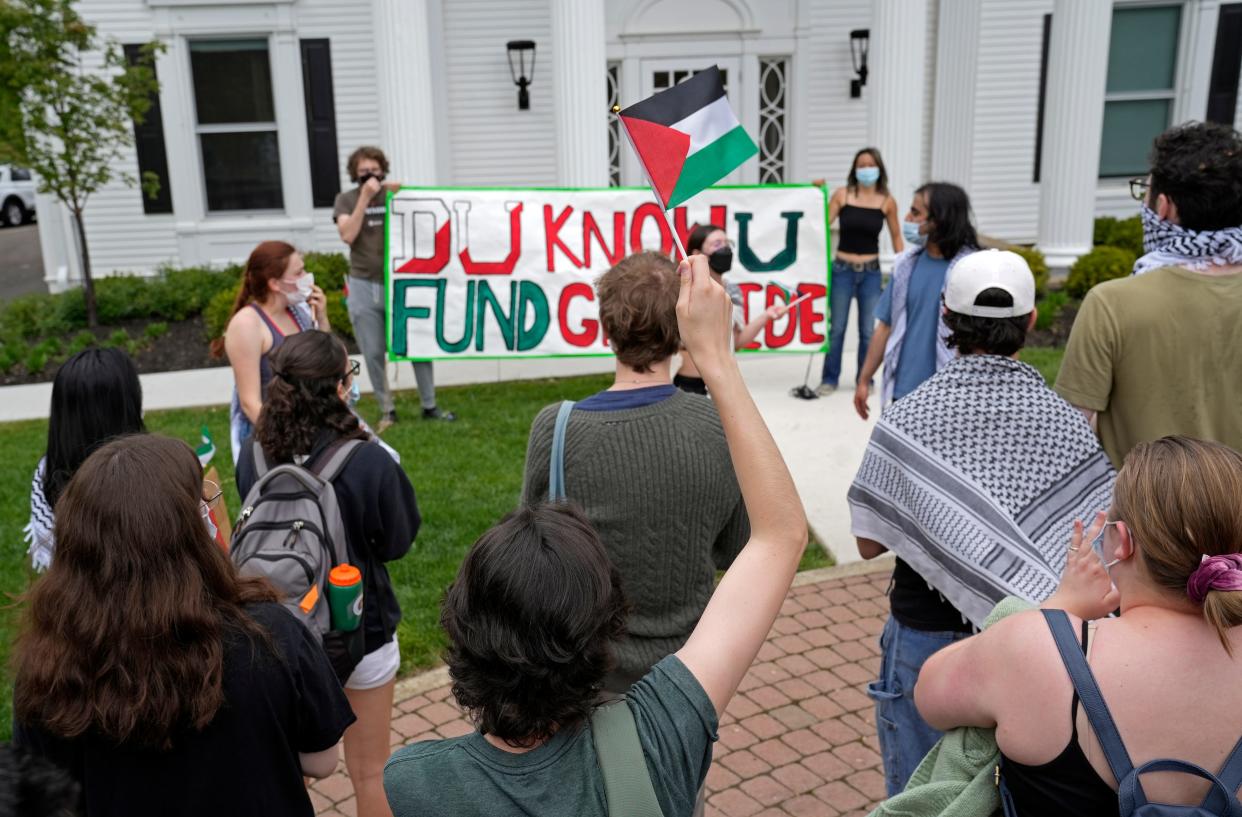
(1041, 109)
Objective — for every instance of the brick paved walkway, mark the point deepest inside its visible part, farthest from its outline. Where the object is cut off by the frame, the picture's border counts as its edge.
(797, 741)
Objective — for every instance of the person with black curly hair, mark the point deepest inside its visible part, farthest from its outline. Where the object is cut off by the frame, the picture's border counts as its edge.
(1156, 353)
(305, 413)
(537, 606)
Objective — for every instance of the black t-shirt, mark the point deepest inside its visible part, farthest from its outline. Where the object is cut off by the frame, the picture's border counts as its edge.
(920, 607)
(380, 515)
(245, 762)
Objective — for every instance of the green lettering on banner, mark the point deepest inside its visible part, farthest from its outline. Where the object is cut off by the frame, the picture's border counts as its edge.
(531, 293)
(782, 260)
(402, 314)
(467, 330)
(505, 322)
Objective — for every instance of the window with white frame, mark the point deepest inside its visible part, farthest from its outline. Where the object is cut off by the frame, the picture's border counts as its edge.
(1142, 84)
(236, 124)
(614, 125)
(773, 72)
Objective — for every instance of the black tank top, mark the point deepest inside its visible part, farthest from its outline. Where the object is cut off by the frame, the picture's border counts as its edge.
(860, 229)
(1067, 785)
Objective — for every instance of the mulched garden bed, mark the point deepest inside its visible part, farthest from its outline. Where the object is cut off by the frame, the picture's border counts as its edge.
(1058, 333)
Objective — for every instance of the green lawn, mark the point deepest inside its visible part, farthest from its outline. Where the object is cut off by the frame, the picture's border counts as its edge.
(1045, 358)
(467, 475)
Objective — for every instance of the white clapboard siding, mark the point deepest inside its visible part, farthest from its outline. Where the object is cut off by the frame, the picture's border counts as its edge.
(836, 125)
(120, 236)
(349, 28)
(491, 142)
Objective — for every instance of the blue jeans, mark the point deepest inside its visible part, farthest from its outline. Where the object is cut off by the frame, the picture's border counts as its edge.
(904, 736)
(846, 286)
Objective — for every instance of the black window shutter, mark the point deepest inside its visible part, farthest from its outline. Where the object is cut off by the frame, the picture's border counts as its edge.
(1043, 91)
(149, 145)
(1226, 62)
(320, 121)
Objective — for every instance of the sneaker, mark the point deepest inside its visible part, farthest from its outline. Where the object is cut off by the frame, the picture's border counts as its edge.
(436, 414)
(826, 389)
(386, 422)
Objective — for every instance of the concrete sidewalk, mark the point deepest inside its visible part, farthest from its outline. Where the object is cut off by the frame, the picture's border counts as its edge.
(798, 740)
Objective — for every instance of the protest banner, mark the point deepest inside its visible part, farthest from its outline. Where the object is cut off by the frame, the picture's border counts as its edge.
(509, 273)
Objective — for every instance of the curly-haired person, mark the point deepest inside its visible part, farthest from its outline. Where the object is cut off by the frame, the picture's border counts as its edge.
(1157, 353)
(305, 413)
(537, 607)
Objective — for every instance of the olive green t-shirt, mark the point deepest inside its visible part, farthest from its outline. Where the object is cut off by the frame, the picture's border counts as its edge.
(366, 254)
(469, 777)
(1158, 354)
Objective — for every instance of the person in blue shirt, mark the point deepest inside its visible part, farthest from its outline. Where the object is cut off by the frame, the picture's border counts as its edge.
(909, 336)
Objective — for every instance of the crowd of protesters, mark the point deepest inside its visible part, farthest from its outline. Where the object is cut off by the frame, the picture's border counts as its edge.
(590, 641)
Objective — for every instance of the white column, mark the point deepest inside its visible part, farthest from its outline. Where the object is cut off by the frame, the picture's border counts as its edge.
(580, 92)
(895, 91)
(1073, 121)
(405, 103)
(957, 57)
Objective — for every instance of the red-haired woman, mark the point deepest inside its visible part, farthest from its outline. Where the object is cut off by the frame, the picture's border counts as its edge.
(159, 679)
(277, 298)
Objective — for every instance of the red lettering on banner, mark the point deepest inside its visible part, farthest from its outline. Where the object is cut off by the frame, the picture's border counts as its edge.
(591, 227)
(551, 231)
(432, 265)
(590, 326)
(717, 216)
(771, 339)
(506, 266)
(747, 289)
(644, 212)
(807, 316)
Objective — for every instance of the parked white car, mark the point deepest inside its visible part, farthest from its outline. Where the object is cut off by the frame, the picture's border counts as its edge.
(17, 195)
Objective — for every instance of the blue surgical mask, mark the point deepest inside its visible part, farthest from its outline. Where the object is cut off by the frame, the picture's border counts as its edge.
(910, 232)
(355, 394)
(867, 176)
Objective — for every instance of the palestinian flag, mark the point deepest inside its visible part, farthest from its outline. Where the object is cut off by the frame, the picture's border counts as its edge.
(687, 137)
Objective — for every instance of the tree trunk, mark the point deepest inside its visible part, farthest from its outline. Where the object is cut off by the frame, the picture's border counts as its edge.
(88, 283)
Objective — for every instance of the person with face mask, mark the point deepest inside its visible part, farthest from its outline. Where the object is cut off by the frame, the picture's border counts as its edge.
(1157, 353)
(910, 334)
(712, 241)
(359, 217)
(277, 298)
(861, 209)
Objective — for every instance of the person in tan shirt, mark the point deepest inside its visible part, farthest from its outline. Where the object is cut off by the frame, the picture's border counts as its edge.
(1156, 354)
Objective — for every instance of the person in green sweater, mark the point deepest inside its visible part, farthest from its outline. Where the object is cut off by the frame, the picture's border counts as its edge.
(533, 615)
(649, 465)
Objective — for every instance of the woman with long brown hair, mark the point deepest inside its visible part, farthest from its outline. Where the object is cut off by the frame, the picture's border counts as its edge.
(283, 300)
(305, 413)
(162, 681)
(1169, 553)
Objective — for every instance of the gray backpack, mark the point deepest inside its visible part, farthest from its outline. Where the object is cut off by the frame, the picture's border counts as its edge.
(290, 531)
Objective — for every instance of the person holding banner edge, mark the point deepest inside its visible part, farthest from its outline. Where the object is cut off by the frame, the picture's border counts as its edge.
(359, 218)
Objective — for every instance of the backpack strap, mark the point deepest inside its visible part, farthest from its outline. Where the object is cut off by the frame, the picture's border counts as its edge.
(1089, 693)
(556, 465)
(260, 461)
(1230, 773)
(1219, 800)
(334, 459)
(627, 783)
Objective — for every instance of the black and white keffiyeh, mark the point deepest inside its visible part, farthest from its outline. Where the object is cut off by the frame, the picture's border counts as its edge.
(38, 532)
(975, 479)
(1166, 244)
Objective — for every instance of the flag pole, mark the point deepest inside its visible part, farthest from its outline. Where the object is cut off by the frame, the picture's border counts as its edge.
(672, 228)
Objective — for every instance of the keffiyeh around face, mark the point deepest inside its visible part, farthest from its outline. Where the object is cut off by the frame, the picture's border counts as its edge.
(1166, 244)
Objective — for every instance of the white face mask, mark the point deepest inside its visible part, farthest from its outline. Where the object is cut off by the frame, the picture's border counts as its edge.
(305, 284)
(211, 526)
(910, 232)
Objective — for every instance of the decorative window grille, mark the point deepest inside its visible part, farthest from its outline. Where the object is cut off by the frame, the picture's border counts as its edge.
(773, 93)
(614, 125)
(663, 80)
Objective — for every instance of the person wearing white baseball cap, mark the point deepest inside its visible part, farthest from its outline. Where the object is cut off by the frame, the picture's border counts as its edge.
(973, 480)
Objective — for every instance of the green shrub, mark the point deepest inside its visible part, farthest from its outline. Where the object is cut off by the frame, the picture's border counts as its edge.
(119, 339)
(155, 331)
(1050, 308)
(219, 310)
(124, 297)
(1039, 267)
(338, 314)
(1126, 233)
(10, 356)
(1104, 263)
(330, 269)
(81, 342)
(35, 360)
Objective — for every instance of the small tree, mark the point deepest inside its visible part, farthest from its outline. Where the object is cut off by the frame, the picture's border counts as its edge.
(74, 123)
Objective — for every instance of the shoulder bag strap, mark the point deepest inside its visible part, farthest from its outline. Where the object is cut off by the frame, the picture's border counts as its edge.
(556, 464)
(627, 783)
(1089, 693)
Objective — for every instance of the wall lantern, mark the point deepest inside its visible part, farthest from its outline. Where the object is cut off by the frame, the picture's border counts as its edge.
(860, 38)
(522, 76)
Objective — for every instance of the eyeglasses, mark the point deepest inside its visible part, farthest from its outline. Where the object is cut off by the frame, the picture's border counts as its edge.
(211, 493)
(1139, 187)
(354, 368)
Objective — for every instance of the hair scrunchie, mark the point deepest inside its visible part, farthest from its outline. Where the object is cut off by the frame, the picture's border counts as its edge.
(1223, 572)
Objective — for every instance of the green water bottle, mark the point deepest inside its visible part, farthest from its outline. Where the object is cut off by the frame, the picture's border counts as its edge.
(345, 597)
